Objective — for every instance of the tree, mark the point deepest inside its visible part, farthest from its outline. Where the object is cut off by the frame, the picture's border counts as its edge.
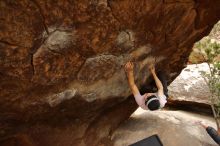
(210, 50)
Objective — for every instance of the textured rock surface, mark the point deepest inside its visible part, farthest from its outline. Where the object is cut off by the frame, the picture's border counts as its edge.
(175, 128)
(62, 60)
(189, 90)
(190, 85)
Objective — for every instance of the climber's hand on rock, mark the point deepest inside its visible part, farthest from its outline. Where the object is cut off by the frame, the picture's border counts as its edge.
(151, 68)
(129, 67)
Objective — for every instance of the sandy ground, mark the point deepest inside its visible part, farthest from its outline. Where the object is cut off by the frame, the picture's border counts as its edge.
(175, 128)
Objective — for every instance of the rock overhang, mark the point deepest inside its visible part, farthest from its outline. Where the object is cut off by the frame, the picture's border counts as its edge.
(59, 57)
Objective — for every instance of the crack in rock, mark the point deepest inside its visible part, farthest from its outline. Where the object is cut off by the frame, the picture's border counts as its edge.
(41, 14)
(109, 6)
(32, 64)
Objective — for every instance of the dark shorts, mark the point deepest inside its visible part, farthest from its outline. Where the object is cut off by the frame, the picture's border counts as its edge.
(213, 134)
(151, 86)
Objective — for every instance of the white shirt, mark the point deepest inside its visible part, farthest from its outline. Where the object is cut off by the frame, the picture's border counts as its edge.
(140, 100)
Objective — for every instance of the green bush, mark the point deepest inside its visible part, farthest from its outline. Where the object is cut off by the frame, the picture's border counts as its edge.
(211, 41)
(210, 50)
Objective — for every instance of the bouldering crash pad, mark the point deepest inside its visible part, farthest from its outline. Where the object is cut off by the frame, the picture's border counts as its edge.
(153, 140)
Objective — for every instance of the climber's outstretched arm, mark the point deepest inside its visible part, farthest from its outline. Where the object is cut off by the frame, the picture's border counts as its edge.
(129, 67)
(157, 81)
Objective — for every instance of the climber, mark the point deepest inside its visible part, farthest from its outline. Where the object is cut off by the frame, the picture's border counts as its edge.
(151, 101)
(215, 135)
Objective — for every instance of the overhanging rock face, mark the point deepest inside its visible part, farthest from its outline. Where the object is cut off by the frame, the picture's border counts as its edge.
(61, 62)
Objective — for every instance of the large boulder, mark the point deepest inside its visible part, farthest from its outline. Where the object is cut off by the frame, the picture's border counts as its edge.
(190, 85)
(61, 62)
(190, 91)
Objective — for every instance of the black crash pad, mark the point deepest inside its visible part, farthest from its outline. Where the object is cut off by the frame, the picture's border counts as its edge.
(153, 140)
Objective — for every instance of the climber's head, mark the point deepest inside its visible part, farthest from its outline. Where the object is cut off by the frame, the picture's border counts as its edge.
(152, 103)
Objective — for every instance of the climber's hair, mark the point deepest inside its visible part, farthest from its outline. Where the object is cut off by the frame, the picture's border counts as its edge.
(152, 103)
